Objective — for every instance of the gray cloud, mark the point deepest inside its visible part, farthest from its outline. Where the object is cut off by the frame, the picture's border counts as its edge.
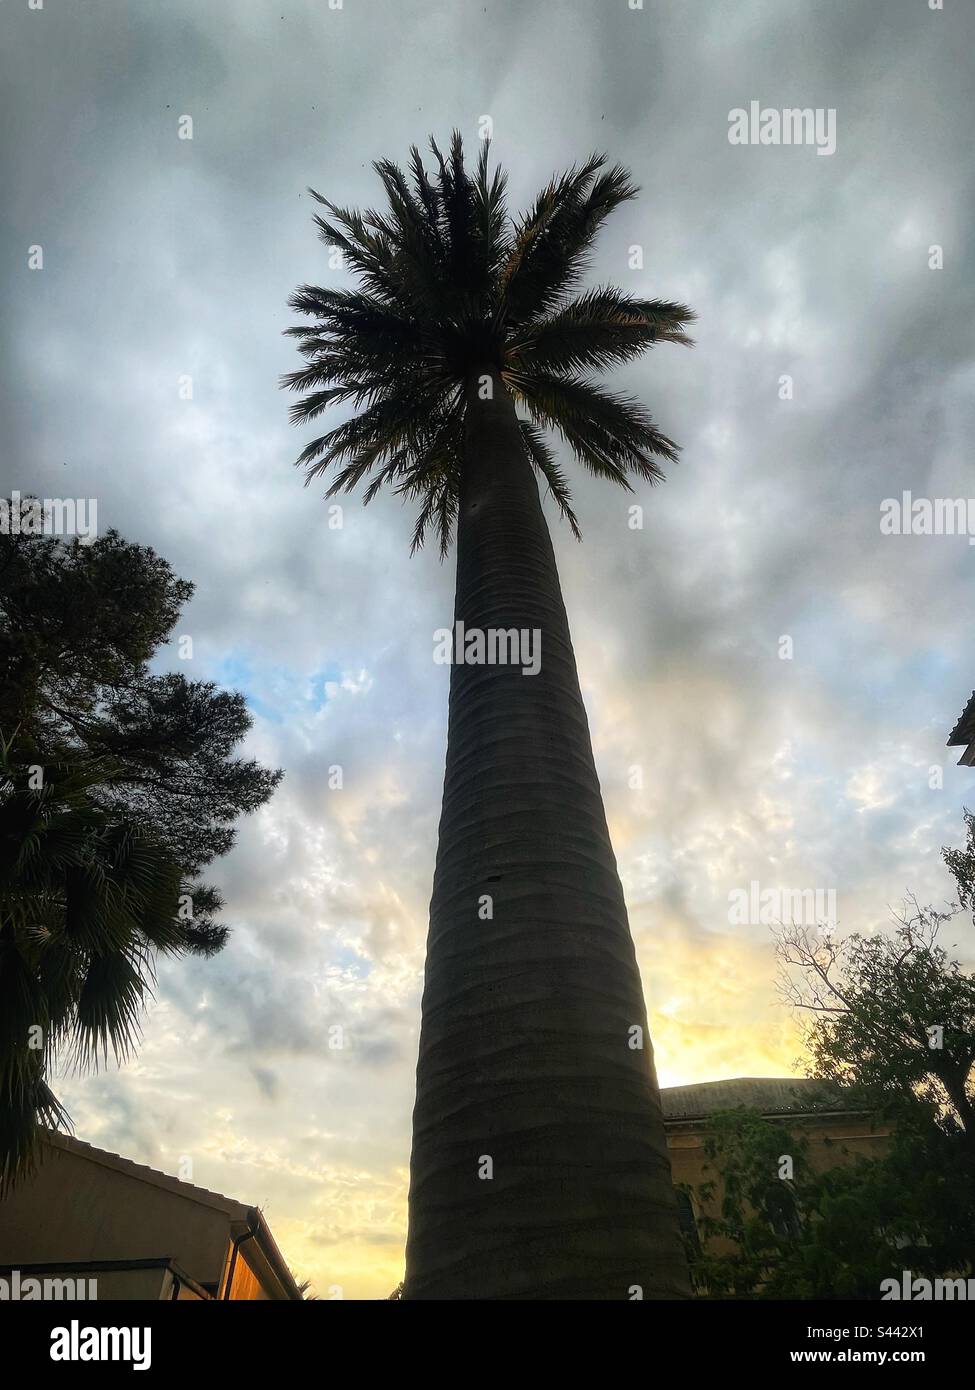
(165, 258)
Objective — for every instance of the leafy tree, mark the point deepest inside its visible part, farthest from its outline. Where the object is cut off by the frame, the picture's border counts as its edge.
(466, 339)
(961, 862)
(106, 811)
(836, 1233)
(79, 625)
(748, 1204)
(892, 1015)
(890, 1020)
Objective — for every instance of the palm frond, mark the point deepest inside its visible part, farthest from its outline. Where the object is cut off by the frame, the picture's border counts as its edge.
(551, 248)
(87, 900)
(598, 330)
(448, 281)
(612, 435)
(543, 460)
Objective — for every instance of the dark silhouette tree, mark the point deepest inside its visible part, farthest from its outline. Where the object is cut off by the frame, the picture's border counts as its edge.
(79, 625)
(893, 1015)
(116, 788)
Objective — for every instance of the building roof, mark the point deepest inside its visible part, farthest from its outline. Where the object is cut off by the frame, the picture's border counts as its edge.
(238, 1214)
(237, 1211)
(770, 1095)
(964, 730)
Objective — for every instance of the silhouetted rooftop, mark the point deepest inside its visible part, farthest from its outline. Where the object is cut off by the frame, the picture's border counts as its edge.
(769, 1095)
(964, 730)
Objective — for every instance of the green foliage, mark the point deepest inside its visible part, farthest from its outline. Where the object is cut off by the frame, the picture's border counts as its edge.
(116, 787)
(891, 1028)
(835, 1233)
(449, 284)
(892, 1015)
(760, 1212)
(79, 625)
(961, 862)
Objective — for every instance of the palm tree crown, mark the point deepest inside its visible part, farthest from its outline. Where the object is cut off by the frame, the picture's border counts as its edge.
(450, 284)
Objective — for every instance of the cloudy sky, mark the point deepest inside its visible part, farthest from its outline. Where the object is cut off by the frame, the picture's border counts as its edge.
(167, 258)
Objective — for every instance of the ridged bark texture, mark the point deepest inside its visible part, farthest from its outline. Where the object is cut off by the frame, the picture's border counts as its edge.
(525, 1047)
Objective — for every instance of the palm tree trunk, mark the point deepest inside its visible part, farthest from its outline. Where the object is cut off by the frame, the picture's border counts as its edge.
(539, 1166)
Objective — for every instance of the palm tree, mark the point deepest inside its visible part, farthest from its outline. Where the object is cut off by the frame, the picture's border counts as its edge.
(87, 902)
(539, 1165)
